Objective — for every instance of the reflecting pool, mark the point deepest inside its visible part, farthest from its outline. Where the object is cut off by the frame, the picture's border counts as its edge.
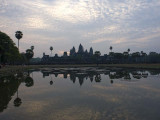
(81, 94)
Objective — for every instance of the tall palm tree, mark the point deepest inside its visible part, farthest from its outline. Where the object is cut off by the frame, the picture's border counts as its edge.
(111, 48)
(51, 48)
(18, 35)
(17, 101)
(51, 82)
(128, 50)
(32, 48)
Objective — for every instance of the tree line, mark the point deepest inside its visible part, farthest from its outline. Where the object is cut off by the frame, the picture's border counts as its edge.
(82, 56)
(9, 53)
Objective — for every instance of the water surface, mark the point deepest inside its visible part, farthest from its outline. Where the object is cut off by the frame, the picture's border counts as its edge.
(81, 94)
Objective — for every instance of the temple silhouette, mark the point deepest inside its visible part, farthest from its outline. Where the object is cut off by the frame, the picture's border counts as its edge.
(74, 57)
(83, 56)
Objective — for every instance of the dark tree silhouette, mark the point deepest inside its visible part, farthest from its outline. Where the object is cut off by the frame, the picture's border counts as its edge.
(90, 58)
(97, 54)
(128, 50)
(98, 78)
(51, 48)
(29, 82)
(111, 48)
(111, 81)
(32, 48)
(18, 35)
(29, 54)
(17, 101)
(8, 51)
(51, 82)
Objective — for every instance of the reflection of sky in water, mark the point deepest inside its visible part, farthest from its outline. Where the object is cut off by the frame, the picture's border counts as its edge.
(63, 100)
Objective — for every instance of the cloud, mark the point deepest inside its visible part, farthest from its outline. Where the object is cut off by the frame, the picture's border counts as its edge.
(99, 40)
(35, 22)
(90, 22)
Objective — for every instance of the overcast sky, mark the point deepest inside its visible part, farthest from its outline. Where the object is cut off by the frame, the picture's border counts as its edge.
(123, 24)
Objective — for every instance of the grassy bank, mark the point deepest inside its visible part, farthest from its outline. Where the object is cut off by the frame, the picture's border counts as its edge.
(7, 70)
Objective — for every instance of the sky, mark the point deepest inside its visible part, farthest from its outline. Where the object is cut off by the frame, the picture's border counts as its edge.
(99, 24)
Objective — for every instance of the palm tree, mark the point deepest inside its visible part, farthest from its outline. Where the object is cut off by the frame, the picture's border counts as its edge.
(18, 35)
(51, 48)
(128, 50)
(29, 54)
(51, 82)
(128, 53)
(111, 48)
(32, 48)
(17, 101)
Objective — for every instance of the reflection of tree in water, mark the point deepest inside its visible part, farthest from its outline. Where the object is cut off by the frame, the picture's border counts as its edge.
(51, 81)
(144, 74)
(116, 75)
(29, 81)
(154, 72)
(136, 74)
(98, 78)
(8, 87)
(124, 74)
(112, 76)
(127, 75)
(17, 101)
(111, 81)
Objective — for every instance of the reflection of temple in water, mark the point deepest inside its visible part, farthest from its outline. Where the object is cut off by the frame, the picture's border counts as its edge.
(95, 74)
(92, 76)
(9, 85)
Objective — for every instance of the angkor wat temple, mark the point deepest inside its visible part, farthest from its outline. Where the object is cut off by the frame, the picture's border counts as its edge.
(80, 57)
(84, 57)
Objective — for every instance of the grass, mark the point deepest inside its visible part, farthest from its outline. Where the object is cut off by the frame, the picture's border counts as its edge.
(8, 70)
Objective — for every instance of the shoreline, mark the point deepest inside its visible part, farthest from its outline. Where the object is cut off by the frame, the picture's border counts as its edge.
(9, 70)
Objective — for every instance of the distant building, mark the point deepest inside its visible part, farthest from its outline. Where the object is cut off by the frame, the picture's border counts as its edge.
(80, 50)
(65, 54)
(72, 51)
(91, 51)
(74, 57)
